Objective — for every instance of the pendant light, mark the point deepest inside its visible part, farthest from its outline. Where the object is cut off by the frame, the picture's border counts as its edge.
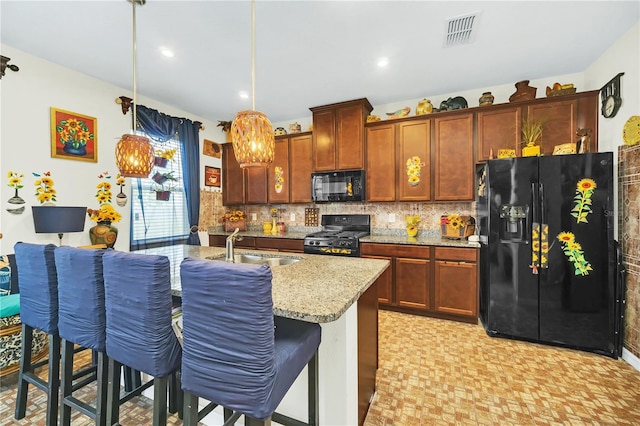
(251, 131)
(134, 153)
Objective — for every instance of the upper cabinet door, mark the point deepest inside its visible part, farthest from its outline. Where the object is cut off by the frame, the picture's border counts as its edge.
(381, 163)
(454, 165)
(300, 166)
(350, 138)
(413, 156)
(232, 178)
(278, 176)
(559, 120)
(256, 185)
(324, 133)
(497, 128)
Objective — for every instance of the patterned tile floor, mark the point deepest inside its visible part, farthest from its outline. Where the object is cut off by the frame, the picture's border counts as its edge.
(436, 372)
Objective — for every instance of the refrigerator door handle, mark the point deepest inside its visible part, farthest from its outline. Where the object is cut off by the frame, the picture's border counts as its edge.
(535, 230)
(544, 231)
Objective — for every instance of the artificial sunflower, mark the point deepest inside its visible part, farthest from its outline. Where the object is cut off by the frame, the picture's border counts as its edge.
(455, 221)
(566, 237)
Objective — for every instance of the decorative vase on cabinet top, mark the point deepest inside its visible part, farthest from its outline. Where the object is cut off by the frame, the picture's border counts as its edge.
(486, 99)
(424, 107)
(523, 92)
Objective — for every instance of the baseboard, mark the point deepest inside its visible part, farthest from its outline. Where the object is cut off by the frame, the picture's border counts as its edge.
(631, 359)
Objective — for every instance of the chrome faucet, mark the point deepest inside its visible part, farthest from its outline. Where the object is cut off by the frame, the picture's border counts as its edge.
(228, 252)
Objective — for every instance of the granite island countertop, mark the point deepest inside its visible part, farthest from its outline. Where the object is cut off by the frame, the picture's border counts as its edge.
(316, 289)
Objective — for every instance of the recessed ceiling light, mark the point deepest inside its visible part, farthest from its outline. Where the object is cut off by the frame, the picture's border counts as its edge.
(243, 94)
(166, 52)
(383, 62)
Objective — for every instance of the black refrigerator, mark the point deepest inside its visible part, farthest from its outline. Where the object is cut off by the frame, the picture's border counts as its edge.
(549, 266)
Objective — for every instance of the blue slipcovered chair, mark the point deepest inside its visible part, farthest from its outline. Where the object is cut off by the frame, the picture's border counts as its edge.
(235, 354)
(139, 333)
(39, 311)
(81, 321)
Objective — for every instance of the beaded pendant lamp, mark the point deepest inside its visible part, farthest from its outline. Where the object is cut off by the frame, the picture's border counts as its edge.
(134, 153)
(251, 131)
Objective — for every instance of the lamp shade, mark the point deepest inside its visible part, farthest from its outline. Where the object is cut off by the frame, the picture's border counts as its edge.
(134, 156)
(58, 220)
(253, 139)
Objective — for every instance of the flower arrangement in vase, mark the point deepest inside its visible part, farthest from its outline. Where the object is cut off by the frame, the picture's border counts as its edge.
(162, 157)
(412, 222)
(234, 219)
(274, 221)
(45, 193)
(121, 198)
(15, 203)
(103, 232)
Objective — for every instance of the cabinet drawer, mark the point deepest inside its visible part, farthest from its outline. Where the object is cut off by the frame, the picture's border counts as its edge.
(460, 254)
(246, 242)
(395, 250)
(287, 244)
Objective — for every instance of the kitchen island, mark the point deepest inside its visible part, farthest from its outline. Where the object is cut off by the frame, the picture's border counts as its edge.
(340, 294)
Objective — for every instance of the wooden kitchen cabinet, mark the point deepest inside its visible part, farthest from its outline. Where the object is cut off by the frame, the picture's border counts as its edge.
(498, 128)
(300, 167)
(428, 280)
(220, 241)
(290, 245)
(389, 147)
(414, 141)
(456, 278)
(385, 281)
(256, 185)
(381, 163)
(454, 175)
(412, 283)
(338, 135)
(232, 178)
(278, 191)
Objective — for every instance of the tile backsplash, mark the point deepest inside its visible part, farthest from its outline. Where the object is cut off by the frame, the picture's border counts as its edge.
(385, 217)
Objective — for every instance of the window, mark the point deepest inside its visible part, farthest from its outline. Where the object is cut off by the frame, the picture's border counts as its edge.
(157, 222)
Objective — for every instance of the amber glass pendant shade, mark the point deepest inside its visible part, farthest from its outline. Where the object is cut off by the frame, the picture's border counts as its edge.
(134, 156)
(253, 139)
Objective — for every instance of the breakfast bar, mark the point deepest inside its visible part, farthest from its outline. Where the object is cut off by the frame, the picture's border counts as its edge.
(340, 294)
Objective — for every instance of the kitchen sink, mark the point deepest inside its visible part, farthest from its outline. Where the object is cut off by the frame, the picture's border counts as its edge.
(257, 259)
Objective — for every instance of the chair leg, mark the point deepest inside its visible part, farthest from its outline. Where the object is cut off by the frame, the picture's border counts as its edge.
(190, 409)
(314, 403)
(103, 388)
(113, 392)
(53, 382)
(250, 421)
(160, 401)
(25, 366)
(66, 382)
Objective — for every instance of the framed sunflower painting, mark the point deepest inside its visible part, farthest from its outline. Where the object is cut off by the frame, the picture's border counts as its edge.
(73, 136)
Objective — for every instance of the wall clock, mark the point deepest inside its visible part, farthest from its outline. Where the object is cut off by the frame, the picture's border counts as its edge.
(611, 97)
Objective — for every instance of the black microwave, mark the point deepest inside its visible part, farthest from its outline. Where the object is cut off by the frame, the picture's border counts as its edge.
(338, 186)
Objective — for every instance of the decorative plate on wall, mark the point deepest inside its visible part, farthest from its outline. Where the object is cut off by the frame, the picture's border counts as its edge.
(631, 130)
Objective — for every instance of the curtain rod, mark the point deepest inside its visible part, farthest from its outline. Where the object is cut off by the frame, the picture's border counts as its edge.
(125, 103)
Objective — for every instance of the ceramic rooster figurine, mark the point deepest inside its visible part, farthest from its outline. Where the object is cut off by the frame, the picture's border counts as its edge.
(400, 113)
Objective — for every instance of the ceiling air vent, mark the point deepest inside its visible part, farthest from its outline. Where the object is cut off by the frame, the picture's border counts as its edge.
(461, 30)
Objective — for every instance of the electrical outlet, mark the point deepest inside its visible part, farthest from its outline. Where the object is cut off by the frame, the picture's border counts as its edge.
(254, 216)
(292, 217)
(392, 217)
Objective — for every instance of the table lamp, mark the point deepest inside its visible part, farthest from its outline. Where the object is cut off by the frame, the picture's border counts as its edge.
(58, 220)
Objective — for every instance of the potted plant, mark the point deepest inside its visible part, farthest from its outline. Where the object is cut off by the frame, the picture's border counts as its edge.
(164, 185)
(226, 127)
(162, 157)
(531, 133)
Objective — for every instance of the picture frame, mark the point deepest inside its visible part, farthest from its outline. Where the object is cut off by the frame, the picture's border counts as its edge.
(211, 149)
(74, 136)
(212, 176)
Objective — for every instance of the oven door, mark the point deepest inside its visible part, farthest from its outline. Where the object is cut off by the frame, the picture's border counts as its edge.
(328, 248)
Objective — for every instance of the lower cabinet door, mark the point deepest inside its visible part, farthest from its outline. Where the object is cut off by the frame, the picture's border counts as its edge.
(456, 289)
(412, 282)
(385, 282)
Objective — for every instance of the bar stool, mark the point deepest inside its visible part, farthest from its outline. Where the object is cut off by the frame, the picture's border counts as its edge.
(39, 311)
(235, 354)
(138, 332)
(81, 320)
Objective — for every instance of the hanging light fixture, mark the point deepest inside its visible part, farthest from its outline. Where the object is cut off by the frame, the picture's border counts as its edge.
(251, 131)
(134, 153)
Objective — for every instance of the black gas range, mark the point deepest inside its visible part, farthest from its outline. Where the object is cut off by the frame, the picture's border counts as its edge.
(340, 235)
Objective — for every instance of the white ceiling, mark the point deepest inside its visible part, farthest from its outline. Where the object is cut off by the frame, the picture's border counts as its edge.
(311, 53)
